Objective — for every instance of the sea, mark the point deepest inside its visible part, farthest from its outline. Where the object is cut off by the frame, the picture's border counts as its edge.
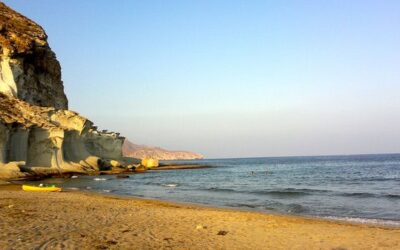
(355, 188)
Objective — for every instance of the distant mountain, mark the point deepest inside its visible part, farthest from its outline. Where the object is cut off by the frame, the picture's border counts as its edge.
(130, 149)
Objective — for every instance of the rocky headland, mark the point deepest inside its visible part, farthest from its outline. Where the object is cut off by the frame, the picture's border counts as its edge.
(38, 134)
(130, 149)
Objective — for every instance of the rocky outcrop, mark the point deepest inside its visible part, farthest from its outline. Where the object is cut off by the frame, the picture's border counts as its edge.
(38, 135)
(29, 69)
(49, 141)
(130, 149)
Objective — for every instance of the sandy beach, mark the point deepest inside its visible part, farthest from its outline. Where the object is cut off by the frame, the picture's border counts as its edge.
(75, 220)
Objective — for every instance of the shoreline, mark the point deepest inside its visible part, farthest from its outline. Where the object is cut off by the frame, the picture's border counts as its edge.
(104, 219)
(381, 223)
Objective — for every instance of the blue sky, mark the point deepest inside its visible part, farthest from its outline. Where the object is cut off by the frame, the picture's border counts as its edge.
(232, 78)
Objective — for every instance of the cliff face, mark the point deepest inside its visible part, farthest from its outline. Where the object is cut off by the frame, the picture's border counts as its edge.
(130, 149)
(29, 69)
(38, 135)
(41, 140)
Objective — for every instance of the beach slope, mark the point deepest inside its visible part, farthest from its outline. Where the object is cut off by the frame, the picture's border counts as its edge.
(70, 220)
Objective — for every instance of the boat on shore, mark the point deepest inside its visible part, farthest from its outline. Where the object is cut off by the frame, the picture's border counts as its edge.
(41, 188)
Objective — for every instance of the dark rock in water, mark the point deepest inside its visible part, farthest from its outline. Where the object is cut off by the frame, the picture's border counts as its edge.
(122, 176)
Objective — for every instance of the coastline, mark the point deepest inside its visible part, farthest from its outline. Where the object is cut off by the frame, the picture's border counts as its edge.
(380, 223)
(91, 220)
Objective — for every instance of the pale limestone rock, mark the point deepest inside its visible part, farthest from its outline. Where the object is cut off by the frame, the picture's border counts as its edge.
(115, 164)
(29, 69)
(149, 163)
(49, 141)
(37, 132)
(107, 145)
(7, 82)
(10, 169)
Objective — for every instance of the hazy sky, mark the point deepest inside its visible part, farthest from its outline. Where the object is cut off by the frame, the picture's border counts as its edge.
(232, 78)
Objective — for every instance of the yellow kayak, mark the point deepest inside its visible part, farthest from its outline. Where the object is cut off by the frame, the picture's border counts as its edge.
(40, 189)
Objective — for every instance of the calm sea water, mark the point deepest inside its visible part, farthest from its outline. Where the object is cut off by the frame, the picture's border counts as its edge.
(363, 188)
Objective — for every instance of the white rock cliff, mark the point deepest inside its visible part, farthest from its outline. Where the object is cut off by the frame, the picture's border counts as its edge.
(38, 135)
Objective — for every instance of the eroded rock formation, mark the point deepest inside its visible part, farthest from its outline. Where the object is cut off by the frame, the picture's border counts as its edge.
(45, 140)
(29, 69)
(38, 135)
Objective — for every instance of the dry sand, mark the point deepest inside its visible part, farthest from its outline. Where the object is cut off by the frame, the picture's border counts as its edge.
(74, 220)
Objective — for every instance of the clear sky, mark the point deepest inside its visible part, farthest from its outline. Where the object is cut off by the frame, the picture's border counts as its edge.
(232, 78)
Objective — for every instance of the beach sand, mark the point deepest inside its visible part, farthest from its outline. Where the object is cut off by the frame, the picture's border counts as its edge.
(75, 220)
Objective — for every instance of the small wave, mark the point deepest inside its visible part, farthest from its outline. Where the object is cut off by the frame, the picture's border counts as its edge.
(287, 192)
(222, 189)
(396, 196)
(290, 192)
(377, 179)
(152, 183)
(365, 221)
(72, 188)
(100, 179)
(295, 208)
(282, 193)
(106, 191)
(371, 195)
(270, 208)
(242, 205)
(359, 195)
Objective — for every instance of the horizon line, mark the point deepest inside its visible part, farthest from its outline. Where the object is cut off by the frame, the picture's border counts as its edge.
(289, 156)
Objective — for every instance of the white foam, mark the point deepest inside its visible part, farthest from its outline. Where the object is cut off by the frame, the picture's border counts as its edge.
(100, 179)
(170, 185)
(365, 221)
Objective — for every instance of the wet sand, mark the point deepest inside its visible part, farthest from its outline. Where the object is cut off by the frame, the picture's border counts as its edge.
(75, 220)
